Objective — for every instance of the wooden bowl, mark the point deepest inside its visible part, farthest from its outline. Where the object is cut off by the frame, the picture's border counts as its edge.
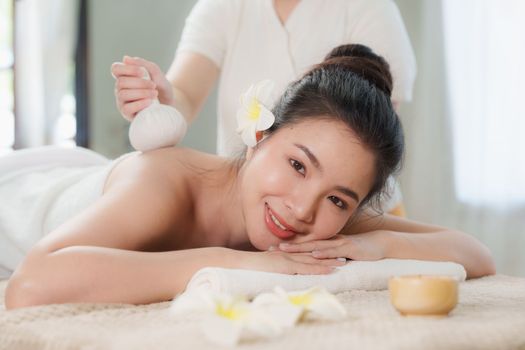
(422, 295)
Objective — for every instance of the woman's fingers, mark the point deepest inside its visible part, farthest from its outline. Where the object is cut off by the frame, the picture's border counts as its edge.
(312, 269)
(282, 262)
(309, 246)
(328, 253)
(309, 259)
(332, 262)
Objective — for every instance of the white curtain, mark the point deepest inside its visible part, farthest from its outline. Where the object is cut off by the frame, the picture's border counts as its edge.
(485, 56)
(465, 164)
(45, 42)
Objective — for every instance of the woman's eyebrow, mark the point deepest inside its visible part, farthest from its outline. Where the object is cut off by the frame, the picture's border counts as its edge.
(348, 192)
(310, 156)
(345, 190)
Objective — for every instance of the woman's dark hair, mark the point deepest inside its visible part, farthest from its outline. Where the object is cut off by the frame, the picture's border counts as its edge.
(352, 85)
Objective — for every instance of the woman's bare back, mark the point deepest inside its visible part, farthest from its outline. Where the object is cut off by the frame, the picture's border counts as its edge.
(149, 203)
(180, 171)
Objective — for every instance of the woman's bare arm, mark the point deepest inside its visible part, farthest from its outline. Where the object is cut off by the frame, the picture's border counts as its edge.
(373, 237)
(98, 256)
(90, 252)
(101, 274)
(410, 239)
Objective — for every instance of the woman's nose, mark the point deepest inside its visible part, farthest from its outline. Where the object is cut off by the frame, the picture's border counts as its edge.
(303, 207)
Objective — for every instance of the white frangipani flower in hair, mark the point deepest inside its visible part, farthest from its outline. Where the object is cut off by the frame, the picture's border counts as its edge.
(254, 115)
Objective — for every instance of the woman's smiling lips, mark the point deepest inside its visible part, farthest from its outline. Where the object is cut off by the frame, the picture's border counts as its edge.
(277, 225)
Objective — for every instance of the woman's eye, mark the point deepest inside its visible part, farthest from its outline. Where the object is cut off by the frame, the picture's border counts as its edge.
(338, 202)
(297, 166)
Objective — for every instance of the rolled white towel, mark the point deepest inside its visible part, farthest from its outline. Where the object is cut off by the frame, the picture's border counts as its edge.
(360, 275)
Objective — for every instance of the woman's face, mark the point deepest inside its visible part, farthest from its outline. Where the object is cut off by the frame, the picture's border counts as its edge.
(304, 182)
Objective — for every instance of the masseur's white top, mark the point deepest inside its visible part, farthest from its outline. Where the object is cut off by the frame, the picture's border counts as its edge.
(247, 41)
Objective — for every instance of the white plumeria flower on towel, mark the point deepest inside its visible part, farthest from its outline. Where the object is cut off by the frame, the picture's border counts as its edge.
(314, 304)
(226, 319)
(254, 115)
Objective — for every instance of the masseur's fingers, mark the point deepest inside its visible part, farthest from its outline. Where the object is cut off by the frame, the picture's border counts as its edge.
(163, 86)
(130, 95)
(156, 75)
(119, 70)
(154, 71)
(132, 92)
(125, 82)
(132, 108)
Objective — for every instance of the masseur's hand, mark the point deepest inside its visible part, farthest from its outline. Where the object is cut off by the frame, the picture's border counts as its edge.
(362, 246)
(288, 263)
(133, 93)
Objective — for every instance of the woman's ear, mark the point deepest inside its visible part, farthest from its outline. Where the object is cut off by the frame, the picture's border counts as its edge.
(249, 152)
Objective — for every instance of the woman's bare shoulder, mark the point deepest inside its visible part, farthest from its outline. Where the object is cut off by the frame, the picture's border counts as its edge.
(171, 167)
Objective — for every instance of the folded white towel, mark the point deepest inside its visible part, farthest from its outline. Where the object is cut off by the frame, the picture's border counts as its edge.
(362, 275)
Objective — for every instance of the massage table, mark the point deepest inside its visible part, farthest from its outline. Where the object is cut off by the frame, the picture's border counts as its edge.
(490, 315)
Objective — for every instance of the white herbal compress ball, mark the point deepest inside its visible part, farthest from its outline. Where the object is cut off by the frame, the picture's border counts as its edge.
(156, 126)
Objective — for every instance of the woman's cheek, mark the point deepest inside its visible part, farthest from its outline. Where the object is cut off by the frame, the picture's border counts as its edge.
(330, 223)
(278, 179)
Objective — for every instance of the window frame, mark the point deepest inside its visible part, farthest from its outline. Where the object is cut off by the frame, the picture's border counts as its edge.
(79, 75)
(12, 68)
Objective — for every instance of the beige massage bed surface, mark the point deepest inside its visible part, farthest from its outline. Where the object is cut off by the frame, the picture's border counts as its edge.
(490, 315)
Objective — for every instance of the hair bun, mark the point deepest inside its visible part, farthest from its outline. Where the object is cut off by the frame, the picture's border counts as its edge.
(362, 61)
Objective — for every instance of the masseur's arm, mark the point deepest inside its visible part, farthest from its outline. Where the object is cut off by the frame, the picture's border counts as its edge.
(185, 87)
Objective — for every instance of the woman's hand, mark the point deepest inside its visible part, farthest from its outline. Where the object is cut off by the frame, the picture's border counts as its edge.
(133, 93)
(287, 263)
(363, 246)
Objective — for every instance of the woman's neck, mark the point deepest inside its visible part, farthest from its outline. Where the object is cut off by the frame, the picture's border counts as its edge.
(219, 207)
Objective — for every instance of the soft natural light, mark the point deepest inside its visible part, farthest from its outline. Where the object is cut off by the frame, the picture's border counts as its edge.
(64, 130)
(485, 64)
(66, 125)
(6, 57)
(7, 128)
(45, 105)
(7, 121)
